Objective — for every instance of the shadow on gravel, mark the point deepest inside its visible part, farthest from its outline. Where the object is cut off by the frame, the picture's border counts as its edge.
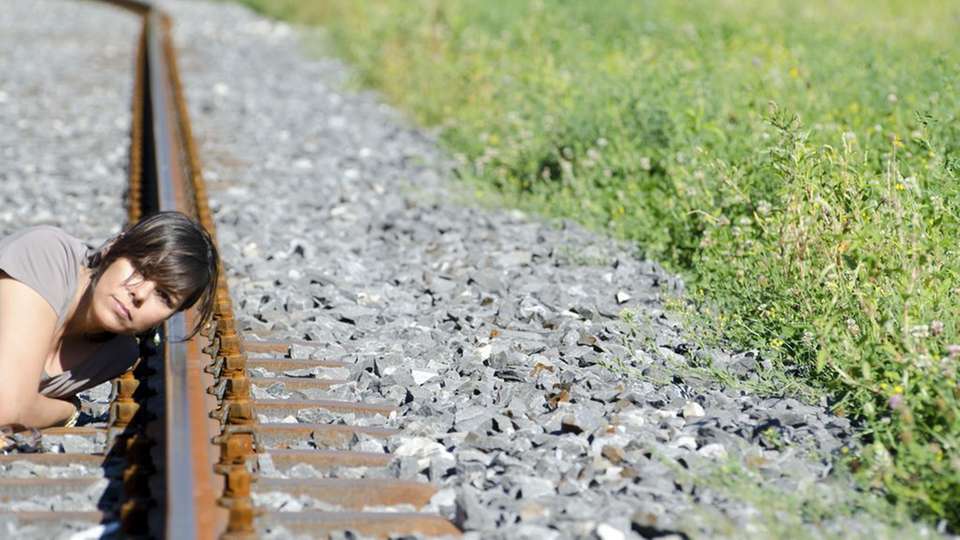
(129, 504)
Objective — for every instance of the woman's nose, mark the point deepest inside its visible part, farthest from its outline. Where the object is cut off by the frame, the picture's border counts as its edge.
(142, 291)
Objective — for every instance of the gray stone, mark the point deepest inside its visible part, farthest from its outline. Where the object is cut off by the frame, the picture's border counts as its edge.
(474, 515)
(473, 418)
(530, 487)
(298, 351)
(76, 444)
(713, 451)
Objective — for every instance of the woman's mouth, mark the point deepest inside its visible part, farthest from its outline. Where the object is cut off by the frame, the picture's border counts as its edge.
(121, 309)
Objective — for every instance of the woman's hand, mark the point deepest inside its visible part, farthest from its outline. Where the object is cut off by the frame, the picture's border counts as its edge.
(72, 421)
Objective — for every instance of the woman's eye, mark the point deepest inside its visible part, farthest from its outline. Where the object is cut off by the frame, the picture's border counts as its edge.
(134, 279)
(166, 298)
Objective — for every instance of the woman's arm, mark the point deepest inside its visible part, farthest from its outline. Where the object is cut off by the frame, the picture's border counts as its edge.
(27, 326)
(45, 412)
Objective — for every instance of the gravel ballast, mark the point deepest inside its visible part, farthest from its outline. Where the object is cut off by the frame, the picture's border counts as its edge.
(64, 105)
(540, 380)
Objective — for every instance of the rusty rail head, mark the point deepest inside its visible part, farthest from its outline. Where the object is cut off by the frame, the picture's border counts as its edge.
(135, 172)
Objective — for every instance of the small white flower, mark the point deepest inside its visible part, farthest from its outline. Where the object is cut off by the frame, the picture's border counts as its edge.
(920, 331)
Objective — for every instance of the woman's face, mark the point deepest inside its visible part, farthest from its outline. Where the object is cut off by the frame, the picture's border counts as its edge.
(126, 303)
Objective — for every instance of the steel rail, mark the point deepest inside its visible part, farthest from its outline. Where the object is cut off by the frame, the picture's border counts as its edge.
(192, 488)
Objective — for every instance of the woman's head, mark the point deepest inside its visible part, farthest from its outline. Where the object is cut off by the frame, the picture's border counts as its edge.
(164, 263)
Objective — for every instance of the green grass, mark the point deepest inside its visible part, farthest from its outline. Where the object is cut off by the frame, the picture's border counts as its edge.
(797, 161)
(806, 510)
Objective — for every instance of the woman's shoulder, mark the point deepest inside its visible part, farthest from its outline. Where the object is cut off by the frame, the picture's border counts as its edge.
(47, 259)
(41, 236)
(47, 241)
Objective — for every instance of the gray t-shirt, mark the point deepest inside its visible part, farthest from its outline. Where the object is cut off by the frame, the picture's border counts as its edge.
(48, 260)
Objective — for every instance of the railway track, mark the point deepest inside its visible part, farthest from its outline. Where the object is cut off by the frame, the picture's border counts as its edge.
(182, 452)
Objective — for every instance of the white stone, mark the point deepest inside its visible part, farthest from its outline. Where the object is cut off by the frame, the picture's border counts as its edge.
(443, 501)
(366, 299)
(685, 441)
(485, 351)
(421, 376)
(98, 531)
(632, 418)
(251, 250)
(609, 532)
(693, 410)
(303, 163)
(266, 465)
(611, 474)
(419, 447)
(291, 505)
(623, 297)
(713, 451)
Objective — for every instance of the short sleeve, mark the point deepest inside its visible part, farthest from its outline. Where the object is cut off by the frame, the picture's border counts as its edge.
(47, 260)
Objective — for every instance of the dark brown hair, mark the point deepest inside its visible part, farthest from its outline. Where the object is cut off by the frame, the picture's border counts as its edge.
(172, 250)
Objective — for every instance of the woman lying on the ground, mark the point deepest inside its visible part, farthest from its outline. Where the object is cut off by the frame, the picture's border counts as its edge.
(69, 315)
